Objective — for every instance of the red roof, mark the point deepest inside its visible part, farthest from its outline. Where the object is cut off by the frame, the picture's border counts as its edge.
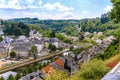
(112, 64)
(47, 68)
(60, 62)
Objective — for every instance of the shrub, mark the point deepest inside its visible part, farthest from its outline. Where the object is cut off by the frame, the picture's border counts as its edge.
(94, 70)
(12, 54)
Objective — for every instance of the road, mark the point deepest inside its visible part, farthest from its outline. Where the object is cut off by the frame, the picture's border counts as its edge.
(12, 67)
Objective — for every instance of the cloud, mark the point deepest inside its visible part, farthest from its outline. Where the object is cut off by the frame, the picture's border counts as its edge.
(108, 8)
(20, 4)
(84, 12)
(22, 14)
(57, 6)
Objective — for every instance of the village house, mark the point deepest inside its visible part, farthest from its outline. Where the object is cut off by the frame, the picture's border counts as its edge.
(21, 47)
(3, 52)
(66, 63)
(35, 34)
(39, 44)
(6, 74)
(54, 41)
(1, 27)
(36, 75)
(100, 33)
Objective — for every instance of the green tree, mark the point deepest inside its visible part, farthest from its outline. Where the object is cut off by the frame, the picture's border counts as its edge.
(11, 77)
(33, 51)
(12, 54)
(18, 76)
(67, 41)
(1, 38)
(25, 71)
(96, 70)
(60, 36)
(40, 66)
(115, 12)
(52, 47)
(70, 30)
(52, 34)
(2, 78)
(35, 68)
(30, 69)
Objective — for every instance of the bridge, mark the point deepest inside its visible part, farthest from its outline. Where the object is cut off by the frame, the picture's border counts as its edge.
(24, 63)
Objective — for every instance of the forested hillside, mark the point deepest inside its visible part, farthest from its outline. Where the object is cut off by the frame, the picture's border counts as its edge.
(70, 27)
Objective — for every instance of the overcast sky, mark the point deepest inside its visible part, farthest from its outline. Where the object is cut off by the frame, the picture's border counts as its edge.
(53, 9)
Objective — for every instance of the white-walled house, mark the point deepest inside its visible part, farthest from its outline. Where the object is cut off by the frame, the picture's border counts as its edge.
(35, 34)
(6, 74)
(54, 41)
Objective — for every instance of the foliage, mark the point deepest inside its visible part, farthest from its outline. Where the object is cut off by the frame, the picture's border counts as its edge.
(13, 54)
(63, 38)
(36, 68)
(52, 47)
(33, 51)
(56, 75)
(30, 69)
(66, 26)
(12, 28)
(2, 78)
(18, 76)
(60, 36)
(70, 30)
(79, 50)
(111, 50)
(52, 34)
(115, 12)
(40, 66)
(25, 71)
(105, 18)
(66, 40)
(11, 77)
(1, 38)
(94, 70)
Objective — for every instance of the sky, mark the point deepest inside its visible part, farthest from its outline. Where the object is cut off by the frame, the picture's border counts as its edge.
(54, 9)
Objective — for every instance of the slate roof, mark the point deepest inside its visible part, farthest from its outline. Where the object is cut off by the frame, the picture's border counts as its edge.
(52, 40)
(66, 63)
(32, 76)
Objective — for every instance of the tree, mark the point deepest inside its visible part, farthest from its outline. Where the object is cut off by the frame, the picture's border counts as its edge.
(11, 77)
(12, 54)
(25, 71)
(2, 78)
(18, 76)
(40, 66)
(1, 38)
(52, 48)
(96, 70)
(115, 12)
(52, 34)
(33, 51)
(36, 68)
(60, 36)
(30, 69)
(66, 40)
(105, 18)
